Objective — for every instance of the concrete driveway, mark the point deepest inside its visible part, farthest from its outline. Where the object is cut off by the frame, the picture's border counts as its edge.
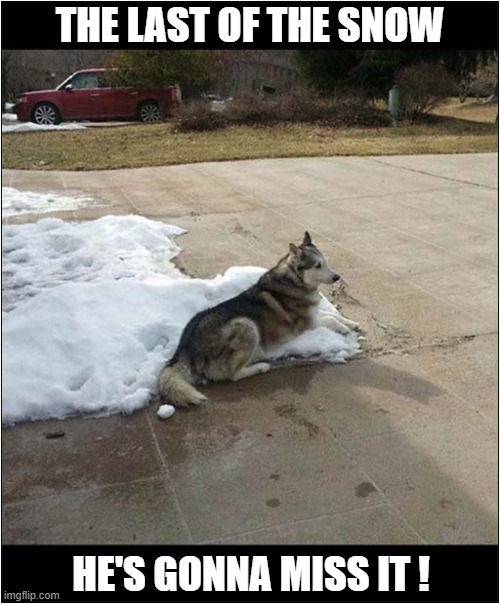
(397, 447)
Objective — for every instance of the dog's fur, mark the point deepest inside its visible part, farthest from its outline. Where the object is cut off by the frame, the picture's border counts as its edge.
(220, 343)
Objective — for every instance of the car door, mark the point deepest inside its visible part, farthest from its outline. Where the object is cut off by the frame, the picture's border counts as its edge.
(82, 97)
(118, 102)
(122, 102)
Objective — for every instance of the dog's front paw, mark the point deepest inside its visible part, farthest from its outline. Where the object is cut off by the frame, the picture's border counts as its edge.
(331, 322)
(262, 367)
(351, 324)
(342, 329)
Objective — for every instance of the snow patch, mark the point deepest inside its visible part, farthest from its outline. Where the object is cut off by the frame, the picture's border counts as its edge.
(93, 310)
(16, 202)
(32, 127)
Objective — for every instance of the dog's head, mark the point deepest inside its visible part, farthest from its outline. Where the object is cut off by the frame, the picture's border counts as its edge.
(310, 263)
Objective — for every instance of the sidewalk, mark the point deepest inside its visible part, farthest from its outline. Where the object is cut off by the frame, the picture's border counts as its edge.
(397, 447)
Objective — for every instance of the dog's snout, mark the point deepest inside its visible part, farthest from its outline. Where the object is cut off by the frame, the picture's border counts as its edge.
(335, 278)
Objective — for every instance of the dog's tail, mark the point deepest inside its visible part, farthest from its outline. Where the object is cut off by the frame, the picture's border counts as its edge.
(174, 386)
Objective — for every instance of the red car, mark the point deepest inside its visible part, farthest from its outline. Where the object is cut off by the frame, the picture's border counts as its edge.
(86, 95)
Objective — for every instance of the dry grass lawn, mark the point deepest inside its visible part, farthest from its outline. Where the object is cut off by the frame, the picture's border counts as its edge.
(454, 128)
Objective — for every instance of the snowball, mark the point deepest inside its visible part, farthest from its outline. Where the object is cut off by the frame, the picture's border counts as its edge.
(165, 411)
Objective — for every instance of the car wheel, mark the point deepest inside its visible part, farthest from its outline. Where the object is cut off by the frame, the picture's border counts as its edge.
(45, 114)
(149, 112)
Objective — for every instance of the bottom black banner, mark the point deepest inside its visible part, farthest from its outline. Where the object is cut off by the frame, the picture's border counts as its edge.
(359, 573)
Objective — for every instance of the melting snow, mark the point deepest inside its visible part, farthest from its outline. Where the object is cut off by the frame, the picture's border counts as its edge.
(22, 202)
(93, 310)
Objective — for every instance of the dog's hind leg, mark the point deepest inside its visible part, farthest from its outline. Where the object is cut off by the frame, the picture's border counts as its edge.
(241, 339)
(250, 370)
(248, 338)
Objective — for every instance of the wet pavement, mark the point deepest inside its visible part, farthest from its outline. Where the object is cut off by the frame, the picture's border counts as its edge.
(399, 446)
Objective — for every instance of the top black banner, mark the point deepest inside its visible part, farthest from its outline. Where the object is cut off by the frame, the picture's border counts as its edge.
(240, 25)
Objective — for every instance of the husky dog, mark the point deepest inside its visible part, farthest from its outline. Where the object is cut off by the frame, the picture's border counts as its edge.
(222, 343)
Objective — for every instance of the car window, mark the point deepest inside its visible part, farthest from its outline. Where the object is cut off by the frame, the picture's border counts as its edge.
(85, 80)
(104, 81)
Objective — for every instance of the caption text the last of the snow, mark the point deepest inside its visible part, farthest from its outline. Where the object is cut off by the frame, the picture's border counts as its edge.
(247, 24)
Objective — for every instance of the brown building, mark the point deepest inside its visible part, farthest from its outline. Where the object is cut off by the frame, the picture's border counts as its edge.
(257, 70)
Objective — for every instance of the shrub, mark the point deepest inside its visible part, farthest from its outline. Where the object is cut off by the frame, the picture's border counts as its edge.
(354, 114)
(301, 105)
(423, 87)
(485, 80)
(199, 117)
(250, 110)
(296, 106)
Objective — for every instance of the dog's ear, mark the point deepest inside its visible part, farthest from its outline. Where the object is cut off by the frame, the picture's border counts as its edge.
(294, 250)
(307, 239)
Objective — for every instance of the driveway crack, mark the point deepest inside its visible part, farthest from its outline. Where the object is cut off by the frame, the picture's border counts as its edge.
(440, 176)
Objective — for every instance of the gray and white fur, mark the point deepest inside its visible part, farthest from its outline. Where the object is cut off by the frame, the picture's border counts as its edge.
(222, 343)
